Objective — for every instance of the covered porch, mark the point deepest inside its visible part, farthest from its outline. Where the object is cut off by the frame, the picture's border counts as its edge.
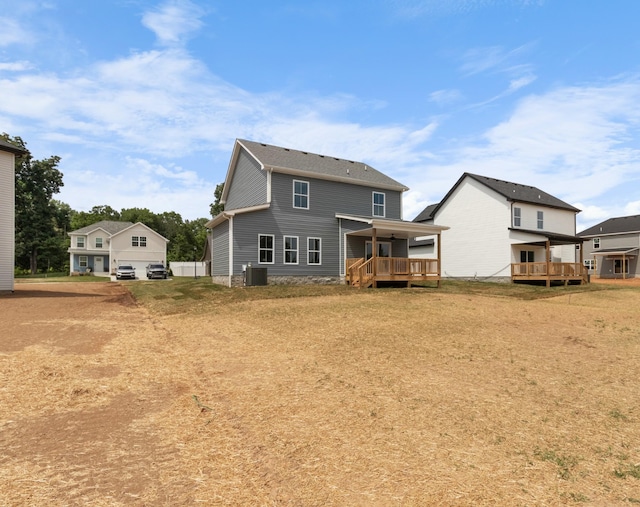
(618, 263)
(549, 271)
(378, 253)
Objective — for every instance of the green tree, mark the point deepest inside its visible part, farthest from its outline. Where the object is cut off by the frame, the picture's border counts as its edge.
(216, 207)
(81, 219)
(36, 213)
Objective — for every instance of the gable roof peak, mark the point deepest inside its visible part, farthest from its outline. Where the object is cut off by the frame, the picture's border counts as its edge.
(315, 165)
(520, 192)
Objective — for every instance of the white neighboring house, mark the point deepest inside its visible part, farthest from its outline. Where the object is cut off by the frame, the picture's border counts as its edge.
(99, 248)
(504, 231)
(8, 153)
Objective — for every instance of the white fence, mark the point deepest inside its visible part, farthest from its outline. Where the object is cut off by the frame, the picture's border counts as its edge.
(192, 269)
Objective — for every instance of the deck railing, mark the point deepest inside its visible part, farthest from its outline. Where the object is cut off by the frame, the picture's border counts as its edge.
(362, 273)
(552, 270)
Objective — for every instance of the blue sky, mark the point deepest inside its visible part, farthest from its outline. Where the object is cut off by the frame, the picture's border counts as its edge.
(143, 99)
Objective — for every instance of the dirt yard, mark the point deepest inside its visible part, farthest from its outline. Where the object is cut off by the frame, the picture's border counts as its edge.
(375, 398)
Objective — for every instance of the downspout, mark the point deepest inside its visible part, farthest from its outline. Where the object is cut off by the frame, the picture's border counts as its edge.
(230, 219)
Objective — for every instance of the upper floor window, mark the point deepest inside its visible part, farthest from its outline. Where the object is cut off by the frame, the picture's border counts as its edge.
(291, 250)
(313, 251)
(98, 242)
(378, 204)
(596, 243)
(517, 217)
(80, 241)
(265, 248)
(540, 220)
(300, 194)
(139, 241)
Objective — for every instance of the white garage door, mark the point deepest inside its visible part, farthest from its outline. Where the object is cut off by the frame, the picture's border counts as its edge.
(141, 268)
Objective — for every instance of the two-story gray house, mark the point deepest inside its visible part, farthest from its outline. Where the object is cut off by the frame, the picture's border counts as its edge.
(611, 248)
(309, 218)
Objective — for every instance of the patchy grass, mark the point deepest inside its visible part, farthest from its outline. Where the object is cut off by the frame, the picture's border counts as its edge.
(191, 295)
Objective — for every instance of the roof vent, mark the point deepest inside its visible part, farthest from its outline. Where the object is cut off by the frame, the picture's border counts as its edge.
(347, 171)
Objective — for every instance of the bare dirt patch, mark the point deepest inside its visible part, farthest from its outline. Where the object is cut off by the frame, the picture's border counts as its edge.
(403, 397)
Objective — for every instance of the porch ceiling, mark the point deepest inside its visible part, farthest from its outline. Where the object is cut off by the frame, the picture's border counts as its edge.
(553, 238)
(399, 229)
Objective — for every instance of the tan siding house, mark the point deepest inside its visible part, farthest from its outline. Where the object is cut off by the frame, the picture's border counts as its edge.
(99, 248)
(7, 213)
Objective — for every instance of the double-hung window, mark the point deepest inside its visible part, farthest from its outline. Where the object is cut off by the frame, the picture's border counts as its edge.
(98, 242)
(517, 217)
(314, 251)
(83, 261)
(139, 241)
(540, 219)
(378, 204)
(596, 243)
(265, 248)
(291, 250)
(300, 194)
(80, 241)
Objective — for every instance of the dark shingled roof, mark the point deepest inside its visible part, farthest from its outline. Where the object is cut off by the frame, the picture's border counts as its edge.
(617, 225)
(426, 214)
(522, 193)
(320, 166)
(111, 226)
(11, 148)
(511, 191)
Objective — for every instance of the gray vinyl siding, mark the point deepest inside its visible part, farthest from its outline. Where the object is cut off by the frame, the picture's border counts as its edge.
(618, 241)
(248, 185)
(248, 226)
(220, 250)
(326, 198)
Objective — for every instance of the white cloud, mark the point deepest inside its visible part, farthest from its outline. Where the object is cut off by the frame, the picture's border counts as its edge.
(577, 143)
(174, 21)
(12, 32)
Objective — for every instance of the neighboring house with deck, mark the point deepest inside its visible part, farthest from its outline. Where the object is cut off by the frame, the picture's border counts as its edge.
(8, 152)
(611, 248)
(309, 218)
(99, 248)
(504, 231)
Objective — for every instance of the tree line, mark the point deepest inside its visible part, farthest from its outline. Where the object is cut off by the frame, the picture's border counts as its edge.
(42, 223)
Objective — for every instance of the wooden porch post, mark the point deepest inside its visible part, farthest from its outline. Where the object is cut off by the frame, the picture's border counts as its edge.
(624, 271)
(439, 238)
(582, 268)
(374, 251)
(548, 250)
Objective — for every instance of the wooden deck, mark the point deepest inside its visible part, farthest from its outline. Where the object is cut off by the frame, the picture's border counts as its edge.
(549, 272)
(367, 273)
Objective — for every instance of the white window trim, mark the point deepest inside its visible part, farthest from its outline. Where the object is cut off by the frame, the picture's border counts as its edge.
(78, 240)
(305, 195)
(143, 239)
(517, 216)
(101, 242)
(596, 243)
(319, 263)
(285, 250)
(81, 259)
(272, 249)
(135, 241)
(540, 220)
(373, 204)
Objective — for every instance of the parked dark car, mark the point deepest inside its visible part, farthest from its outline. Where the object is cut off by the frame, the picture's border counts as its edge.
(156, 271)
(126, 271)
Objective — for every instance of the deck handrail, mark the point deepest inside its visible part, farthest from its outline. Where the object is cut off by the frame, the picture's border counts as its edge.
(556, 269)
